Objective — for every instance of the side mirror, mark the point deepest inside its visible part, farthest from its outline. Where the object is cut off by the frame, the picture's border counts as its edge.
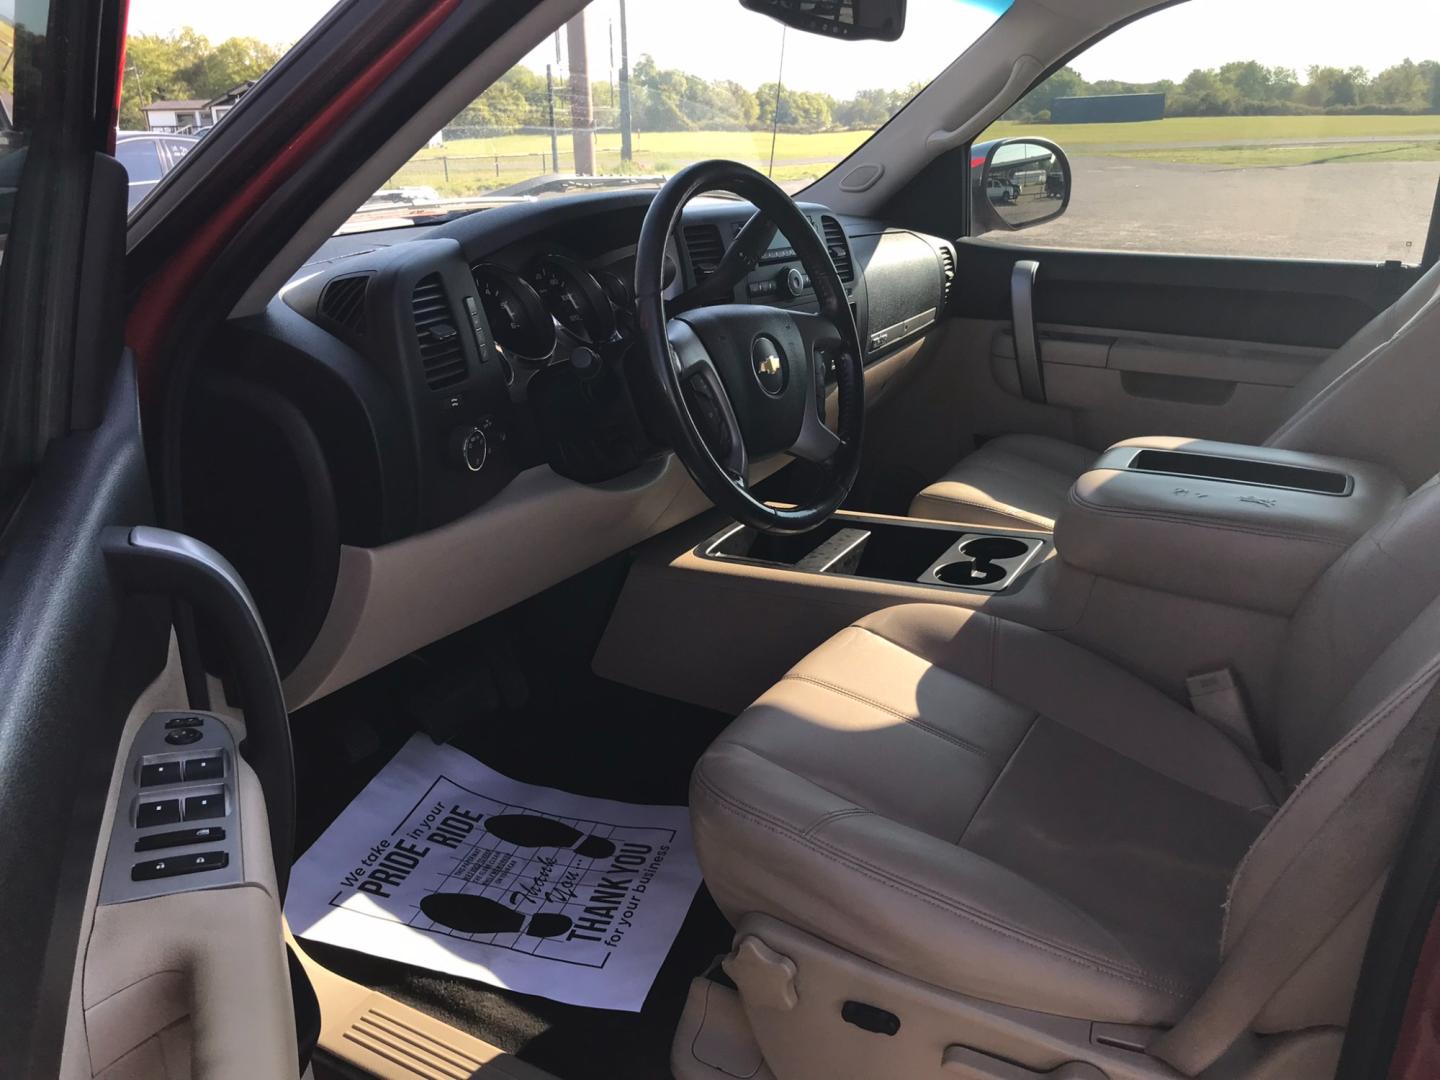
(1018, 183)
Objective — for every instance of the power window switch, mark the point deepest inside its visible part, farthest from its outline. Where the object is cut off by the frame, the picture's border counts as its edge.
(204, 806)
(157, 812)
(165, 772)
(178, 865)
(205, 768)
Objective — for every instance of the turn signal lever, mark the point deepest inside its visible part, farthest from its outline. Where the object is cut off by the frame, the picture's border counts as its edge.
(1027, 339)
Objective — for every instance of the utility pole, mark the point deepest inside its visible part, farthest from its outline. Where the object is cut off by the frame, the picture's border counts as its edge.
(550, 104)
(627, 150)
(582, 115)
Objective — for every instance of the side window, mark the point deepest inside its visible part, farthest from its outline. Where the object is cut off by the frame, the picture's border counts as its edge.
(1222, 127)
(141, 158)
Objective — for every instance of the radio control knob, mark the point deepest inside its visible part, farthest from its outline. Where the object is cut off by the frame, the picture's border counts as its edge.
(792, 282)
(469, 447)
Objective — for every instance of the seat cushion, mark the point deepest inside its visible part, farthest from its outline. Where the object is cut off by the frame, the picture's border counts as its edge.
(987, 808)
(1014, 481)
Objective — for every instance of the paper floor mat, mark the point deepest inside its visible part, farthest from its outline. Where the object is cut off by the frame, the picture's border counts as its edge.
(445, 864)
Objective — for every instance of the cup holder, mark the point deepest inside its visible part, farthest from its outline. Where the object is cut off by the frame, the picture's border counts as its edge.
(970, 573)
(989, 548)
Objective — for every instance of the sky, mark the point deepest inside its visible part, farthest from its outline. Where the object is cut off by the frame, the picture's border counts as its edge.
(745, 46)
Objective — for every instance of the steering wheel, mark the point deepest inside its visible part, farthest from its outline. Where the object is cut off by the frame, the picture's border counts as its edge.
(742, 382)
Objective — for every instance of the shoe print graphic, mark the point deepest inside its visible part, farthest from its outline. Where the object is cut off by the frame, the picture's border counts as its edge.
(535, 831)
(481, 915)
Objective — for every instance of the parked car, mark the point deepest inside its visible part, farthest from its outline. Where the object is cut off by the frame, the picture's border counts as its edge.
(148, 156)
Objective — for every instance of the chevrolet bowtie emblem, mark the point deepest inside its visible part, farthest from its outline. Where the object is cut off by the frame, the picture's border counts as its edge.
(770, 365)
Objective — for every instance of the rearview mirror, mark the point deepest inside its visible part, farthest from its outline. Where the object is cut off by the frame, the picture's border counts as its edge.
(1018, 183)
(854, 20)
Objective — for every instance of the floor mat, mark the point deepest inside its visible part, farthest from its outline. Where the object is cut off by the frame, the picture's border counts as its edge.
(445, 864)
(600, 739)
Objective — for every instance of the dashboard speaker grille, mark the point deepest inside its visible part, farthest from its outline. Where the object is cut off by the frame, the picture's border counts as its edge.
(441, 353)
(706, 248)
(839, 248)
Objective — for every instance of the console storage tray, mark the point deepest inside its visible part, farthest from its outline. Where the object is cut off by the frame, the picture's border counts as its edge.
(1246, 526)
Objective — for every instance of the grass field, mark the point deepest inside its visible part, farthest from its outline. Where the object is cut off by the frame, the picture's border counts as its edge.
(466, 166)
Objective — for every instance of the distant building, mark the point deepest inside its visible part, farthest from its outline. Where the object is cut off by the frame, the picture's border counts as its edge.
(1107, 109)
(187, 117)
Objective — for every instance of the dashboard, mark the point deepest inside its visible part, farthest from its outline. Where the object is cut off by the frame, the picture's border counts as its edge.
(409, 383)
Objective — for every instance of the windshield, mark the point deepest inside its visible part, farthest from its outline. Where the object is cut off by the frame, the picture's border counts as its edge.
(629, 91)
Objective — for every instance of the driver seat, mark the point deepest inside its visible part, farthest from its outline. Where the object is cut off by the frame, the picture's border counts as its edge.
(1008, 844)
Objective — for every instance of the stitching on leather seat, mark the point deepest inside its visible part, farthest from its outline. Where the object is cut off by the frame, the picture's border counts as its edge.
(985, 920)
(914, 721)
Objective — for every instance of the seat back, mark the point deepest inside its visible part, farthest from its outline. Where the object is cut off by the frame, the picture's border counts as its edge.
(1377, 398)
(1361, 659)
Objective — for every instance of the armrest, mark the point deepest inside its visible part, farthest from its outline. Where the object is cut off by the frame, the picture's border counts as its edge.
(1256, 532)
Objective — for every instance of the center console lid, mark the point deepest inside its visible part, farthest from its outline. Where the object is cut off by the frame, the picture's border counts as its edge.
(1247, 526)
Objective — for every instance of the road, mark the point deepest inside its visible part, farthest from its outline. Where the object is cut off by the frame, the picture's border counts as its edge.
(1368, 212)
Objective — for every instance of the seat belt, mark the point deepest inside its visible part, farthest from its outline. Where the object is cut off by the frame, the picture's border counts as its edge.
(1328, 877)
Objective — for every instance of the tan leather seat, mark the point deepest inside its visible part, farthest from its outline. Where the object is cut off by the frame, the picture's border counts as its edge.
(995, 812)
(1014, 481)
(1386, 370)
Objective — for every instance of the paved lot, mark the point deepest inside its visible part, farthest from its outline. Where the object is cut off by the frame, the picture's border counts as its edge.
(1367, 212)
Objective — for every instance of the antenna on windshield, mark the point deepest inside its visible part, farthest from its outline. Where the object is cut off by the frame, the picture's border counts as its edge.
(775, 116)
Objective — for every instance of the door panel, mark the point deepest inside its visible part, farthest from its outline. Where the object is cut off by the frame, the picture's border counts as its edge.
(1135, 344)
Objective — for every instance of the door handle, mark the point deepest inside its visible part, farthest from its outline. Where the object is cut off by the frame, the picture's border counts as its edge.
(1027, 339)
(152, 560)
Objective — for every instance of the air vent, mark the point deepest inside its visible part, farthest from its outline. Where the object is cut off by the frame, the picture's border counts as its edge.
(441, 353)
(947, 263)
(343, 303)
(706, 248)
(839, 248)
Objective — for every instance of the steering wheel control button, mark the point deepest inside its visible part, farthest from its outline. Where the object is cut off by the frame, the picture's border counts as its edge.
(183, 722)
(768, 363)
(175, 865)
(165, 772)
(204, 768)
(157, 812)
(199, 807)
(184, 736)
(209, 834)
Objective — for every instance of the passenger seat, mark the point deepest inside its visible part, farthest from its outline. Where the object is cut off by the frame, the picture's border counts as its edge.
(1377, 399)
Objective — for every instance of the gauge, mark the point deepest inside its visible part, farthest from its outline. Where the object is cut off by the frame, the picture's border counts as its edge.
(574, 297)
(518, 317)
(616, 288)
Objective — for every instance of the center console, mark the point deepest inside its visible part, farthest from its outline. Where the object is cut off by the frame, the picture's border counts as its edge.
(1246, 526)
(890, 550)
